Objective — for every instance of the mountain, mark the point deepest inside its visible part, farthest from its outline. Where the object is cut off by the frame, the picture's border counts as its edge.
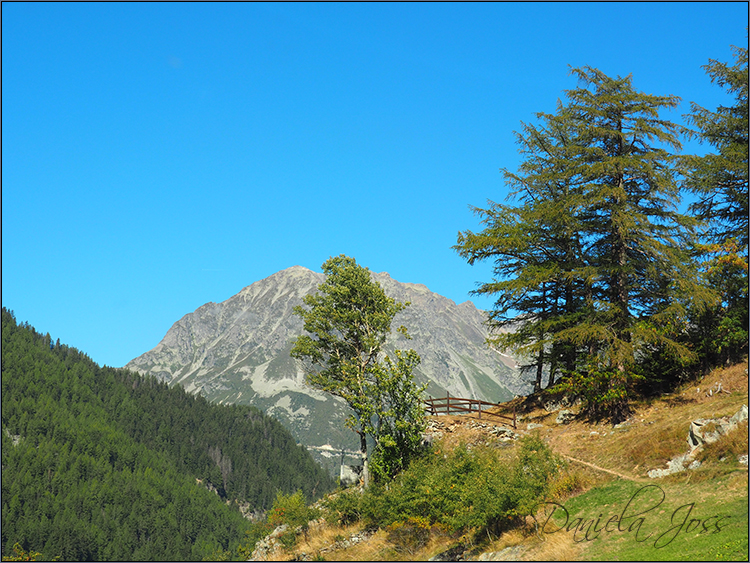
(237, 351)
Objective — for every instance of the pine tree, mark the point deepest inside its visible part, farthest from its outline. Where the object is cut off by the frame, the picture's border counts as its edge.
(596, 259)
(720, 180)
(536, 250)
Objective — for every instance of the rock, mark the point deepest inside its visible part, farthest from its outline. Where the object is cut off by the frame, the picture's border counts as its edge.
(511, 553)
(455, 553)
(739, 416)
(675, 465)
(698, 437)
(742, 459)
(532, 425)
(265, 547)
(564, 417)
(350, 474)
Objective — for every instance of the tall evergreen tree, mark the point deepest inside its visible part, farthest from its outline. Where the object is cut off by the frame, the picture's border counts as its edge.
(720, 180)
(599, 241)
(639, 242)
(536, 251)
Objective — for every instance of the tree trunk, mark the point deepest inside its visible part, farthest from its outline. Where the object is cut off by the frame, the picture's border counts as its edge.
(539, 368)
(365, 464)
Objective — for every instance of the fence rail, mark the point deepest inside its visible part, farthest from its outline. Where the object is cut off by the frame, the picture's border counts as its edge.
(458, 405)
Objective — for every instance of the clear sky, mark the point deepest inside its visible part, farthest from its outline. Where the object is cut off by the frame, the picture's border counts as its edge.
(156, 157)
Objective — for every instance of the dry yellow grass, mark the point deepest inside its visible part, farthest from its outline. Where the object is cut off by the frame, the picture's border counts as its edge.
(320, 536)
(376, 548)
(655, 433)
(553, 548)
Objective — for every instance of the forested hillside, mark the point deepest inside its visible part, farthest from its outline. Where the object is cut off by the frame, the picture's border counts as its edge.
(103, 464)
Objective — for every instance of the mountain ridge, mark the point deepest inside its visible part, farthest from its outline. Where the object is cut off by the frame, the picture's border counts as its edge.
(237, 351)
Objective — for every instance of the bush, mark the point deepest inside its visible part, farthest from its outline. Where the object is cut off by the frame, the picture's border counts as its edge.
(291, 510)
(468, 489)
(410, 535)
(343, 508)
(294, 512)
(566, 484)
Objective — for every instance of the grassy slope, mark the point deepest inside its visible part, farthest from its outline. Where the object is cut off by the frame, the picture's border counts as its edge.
(697, 515)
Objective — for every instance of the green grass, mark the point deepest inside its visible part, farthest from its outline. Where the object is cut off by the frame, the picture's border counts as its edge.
(660, 520)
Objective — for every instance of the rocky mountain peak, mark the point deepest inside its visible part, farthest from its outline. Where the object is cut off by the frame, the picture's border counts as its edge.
(237, 351)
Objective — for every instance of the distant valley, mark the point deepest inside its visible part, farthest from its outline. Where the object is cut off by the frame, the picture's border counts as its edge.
(238, 352)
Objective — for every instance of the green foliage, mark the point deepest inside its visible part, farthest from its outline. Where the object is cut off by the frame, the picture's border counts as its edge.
(400, 415)
(100, 463)
(537, 250)
(596, 258)
(461, 491)
(344, 507)
(293, 511)
(720, 179)
(19, 554)
(410, 535)
(349, 321)
(603, 391)
(720, 182)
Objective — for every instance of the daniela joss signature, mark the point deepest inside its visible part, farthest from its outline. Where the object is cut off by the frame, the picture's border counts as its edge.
(633, 519)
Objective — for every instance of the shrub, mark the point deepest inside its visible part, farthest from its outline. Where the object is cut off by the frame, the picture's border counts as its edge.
(19, 554)
(566, 484)
(468, 489)
(533, 474)
(410, 535)
(343, 508)
(294, 512)
(291, 510)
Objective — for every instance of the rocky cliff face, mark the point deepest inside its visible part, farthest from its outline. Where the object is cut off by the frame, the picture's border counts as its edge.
(238, 352)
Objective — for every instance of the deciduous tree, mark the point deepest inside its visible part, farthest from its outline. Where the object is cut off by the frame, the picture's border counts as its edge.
(348, 322)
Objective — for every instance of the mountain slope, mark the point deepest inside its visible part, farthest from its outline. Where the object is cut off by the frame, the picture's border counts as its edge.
(238, 352)
(103, 464)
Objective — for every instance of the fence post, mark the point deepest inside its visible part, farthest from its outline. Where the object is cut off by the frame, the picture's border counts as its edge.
(480, 410)
(514, 416)
(448, 403)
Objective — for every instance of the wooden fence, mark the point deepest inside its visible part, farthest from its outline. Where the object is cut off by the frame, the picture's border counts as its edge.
(457, 405)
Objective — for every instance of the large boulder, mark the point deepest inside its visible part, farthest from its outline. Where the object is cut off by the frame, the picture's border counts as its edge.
(706, 431)
(702, 431)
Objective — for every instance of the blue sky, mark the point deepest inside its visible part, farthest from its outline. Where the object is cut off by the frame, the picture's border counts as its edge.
(156, 157)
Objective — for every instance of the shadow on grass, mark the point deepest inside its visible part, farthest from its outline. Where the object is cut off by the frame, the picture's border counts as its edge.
(678, 401)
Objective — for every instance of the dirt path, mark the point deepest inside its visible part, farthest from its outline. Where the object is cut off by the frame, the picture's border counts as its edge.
(615, 473)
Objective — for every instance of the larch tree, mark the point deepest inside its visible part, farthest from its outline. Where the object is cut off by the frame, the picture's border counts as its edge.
(639, 243)
(536, 251)
(720, 182)
(598, 241)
